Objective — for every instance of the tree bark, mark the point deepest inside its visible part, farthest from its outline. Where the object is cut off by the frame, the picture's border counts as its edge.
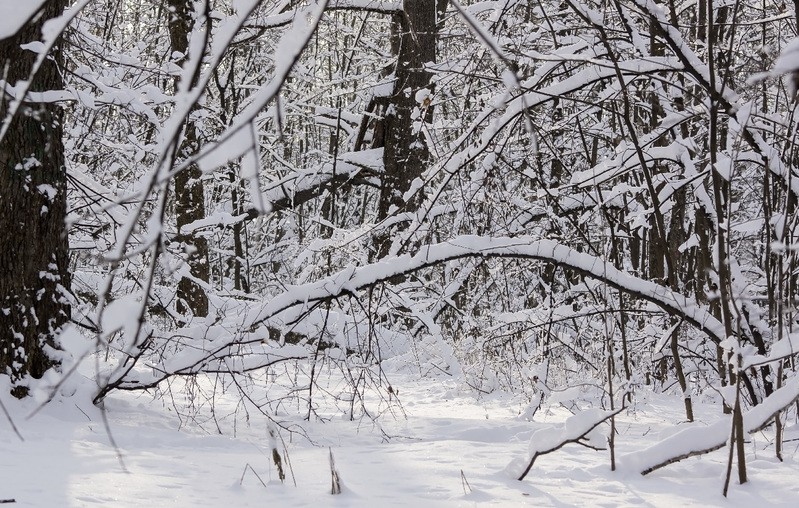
(34, 259)
(189, 189)
(406, 153)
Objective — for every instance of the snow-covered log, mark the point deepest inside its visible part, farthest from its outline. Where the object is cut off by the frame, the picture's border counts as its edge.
(697, 440)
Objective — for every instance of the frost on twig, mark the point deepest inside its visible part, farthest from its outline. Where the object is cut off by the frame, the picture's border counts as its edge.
(576, 429)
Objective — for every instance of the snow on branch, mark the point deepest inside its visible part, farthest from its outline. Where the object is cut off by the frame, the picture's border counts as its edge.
(353, 279)
(536, 93)
(294, 304)
(287, 16)
(731, 102)
(576, 429)
(240, 138)
(302, 186)
(695, 440)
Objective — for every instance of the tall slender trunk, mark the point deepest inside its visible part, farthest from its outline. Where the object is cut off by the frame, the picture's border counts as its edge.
(189, 189)
(721, 198)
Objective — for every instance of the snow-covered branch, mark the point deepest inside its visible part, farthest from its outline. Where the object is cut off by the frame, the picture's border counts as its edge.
(354, 279)
(696, 440)
(576, 429)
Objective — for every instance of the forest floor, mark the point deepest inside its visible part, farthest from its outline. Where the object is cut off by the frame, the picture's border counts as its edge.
(449, 448)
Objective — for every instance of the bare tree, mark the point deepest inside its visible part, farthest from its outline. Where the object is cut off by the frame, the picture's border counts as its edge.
(406, 153)
(34, 276)
(189, 188)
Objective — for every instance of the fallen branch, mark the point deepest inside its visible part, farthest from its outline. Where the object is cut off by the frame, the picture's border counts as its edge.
(694, 441)
(465, 484)
(574, 430)
(16, 431)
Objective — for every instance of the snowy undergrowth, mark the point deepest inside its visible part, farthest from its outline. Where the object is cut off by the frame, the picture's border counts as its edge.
(439, 444)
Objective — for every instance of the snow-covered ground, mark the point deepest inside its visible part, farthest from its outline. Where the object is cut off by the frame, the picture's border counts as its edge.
(450, 448)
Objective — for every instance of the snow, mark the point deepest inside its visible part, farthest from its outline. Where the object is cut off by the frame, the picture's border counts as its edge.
(476, 246)
(47, 190)
(218, 219)
(14, 14)
(788, 61)
(445, 446)
(116, 316)
(192, 443)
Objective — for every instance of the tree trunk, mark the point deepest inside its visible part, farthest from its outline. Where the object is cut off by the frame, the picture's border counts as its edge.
(189, 190)
(34, 258)
(406, 153)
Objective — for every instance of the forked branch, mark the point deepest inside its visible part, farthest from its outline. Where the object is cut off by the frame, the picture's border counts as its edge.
(574, 430)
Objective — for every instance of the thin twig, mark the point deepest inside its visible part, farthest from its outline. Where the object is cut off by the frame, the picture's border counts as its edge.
(465, 483)
(248, 466)
(13, 426)
(111, 439)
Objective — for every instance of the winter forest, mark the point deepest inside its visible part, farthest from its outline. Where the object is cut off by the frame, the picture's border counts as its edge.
(416, 252)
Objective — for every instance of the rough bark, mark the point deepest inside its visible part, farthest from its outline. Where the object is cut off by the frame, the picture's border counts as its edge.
(189, 191)
(406, 153)
(34, 271)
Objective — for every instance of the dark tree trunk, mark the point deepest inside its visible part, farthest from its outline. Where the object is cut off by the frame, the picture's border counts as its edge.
(34, 263)
(189, 190)
(406, 153)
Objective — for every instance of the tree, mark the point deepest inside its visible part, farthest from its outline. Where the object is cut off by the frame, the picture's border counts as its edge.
(189, 189)
(34, 274)
(406, 153)
(587, 193)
